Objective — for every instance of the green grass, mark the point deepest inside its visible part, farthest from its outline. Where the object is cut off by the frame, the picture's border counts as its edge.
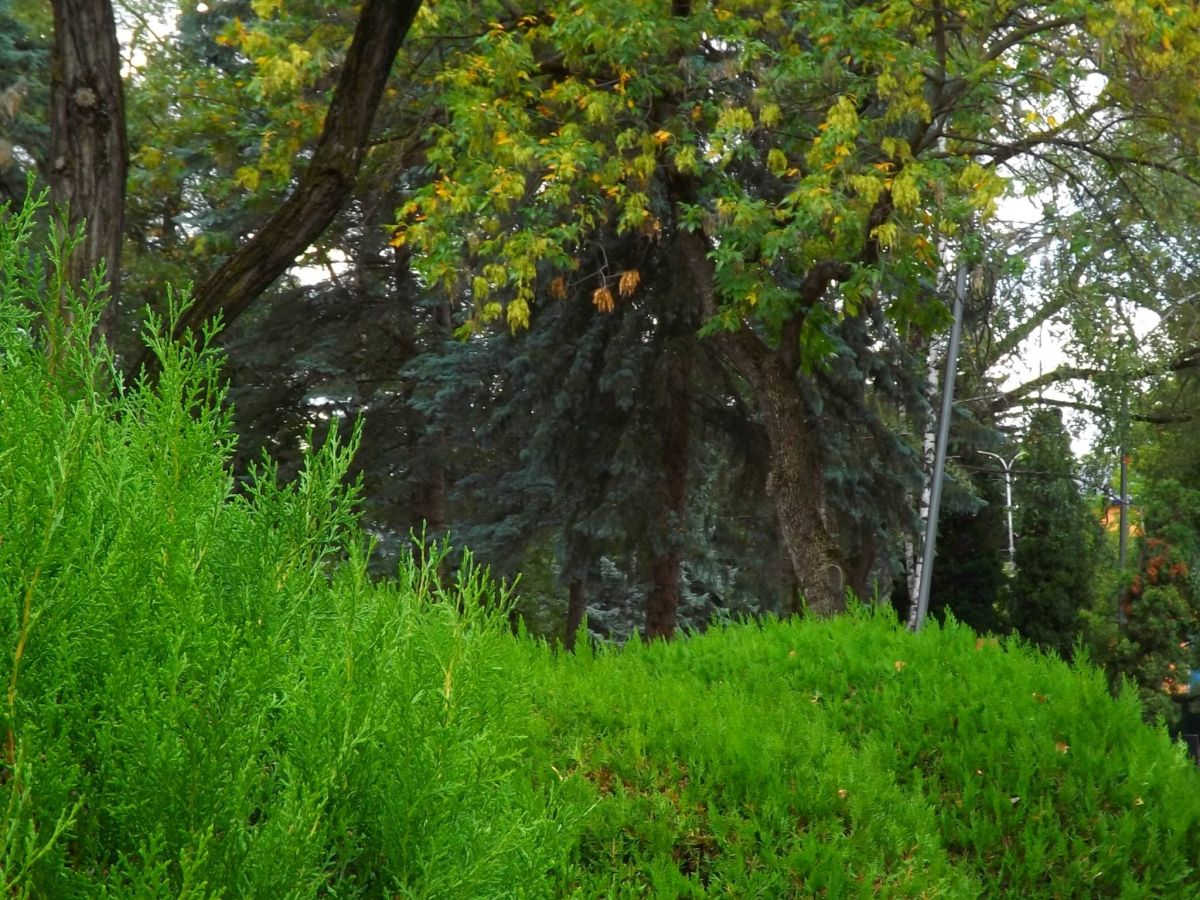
(205, 695)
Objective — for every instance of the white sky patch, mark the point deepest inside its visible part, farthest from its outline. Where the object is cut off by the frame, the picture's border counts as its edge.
(314, 267)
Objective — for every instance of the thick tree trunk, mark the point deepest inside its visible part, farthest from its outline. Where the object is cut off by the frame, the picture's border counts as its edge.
(662, 605)
(88, 153)
(327, 182)
(794, 481)
(576, 610)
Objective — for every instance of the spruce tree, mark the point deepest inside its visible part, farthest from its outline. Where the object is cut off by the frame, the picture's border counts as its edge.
(1056, 540)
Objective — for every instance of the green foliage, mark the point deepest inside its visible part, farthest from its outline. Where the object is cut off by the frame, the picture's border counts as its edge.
(851, 758)
(1057, 539)
(1154, 645)
(206, 695)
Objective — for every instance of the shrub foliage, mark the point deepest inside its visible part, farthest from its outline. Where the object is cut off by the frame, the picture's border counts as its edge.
(205, 695)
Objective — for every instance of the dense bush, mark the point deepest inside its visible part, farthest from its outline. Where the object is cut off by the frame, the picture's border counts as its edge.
(851, 757)
(206, 696)
(205, 693)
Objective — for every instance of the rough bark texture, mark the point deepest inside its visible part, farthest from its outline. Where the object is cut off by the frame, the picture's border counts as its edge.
(330, 177)
(88, 153)
(794, 480)
(576, 610)
(662, 604)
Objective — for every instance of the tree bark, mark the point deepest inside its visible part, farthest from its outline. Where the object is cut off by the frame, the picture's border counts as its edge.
(88, 152)
(794, 481)
(576, 610)
(329, 179)
(662, 604)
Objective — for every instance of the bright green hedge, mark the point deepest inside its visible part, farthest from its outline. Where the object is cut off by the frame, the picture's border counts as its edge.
(204, 695)
(851, 758)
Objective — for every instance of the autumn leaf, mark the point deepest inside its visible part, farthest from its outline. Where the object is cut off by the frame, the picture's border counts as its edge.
(602, 299)
(628, 282)
(558, 288)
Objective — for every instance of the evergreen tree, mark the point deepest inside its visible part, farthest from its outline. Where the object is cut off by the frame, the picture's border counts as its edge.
(1056, 541)
(968, 575)
(24, 97)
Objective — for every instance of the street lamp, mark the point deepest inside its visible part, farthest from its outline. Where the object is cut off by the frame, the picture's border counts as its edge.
(1008, 504)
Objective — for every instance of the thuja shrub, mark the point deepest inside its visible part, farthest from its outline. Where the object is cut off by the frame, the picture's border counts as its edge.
(848, 757)
(204, 694)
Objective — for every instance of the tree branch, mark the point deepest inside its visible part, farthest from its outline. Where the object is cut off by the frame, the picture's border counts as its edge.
(327, 182)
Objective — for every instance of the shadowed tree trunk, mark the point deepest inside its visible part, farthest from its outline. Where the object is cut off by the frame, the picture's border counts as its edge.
(576, 610)
(794, 481)
(662, 604)
(88, 153)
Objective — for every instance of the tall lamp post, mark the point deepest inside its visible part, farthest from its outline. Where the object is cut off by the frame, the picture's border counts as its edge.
(1008, 504)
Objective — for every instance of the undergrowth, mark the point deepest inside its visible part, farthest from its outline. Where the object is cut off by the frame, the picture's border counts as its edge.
(205, 695)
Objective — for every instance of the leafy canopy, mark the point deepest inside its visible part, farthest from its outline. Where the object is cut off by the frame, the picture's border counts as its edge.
(810, 141)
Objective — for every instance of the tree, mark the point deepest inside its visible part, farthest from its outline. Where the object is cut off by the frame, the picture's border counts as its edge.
(327, 180)
(1057, 537)
(1153, 640)
(24, 97)
(88, 155)
(809, 158)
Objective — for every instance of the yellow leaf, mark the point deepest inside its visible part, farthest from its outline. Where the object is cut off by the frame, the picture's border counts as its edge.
(518, 314)
(662, 136)
(777, 162)
(247, 177)
(602, 299)
(399, 237)
(628, 282)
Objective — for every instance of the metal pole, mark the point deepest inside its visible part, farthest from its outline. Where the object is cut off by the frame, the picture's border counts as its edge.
(921, 607)
(1008, 504)
(1123, 537)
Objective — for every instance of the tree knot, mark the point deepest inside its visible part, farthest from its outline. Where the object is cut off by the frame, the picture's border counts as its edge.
(86, 98)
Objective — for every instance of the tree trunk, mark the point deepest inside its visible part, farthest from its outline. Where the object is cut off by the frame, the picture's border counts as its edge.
(794, 481)
(662, 605)
(329, 179)
(576, 610)
(88, 153)
(795, 484)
